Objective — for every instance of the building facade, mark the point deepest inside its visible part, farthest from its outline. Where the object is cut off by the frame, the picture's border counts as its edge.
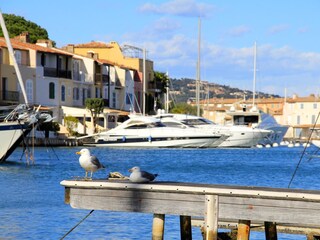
(63, 80)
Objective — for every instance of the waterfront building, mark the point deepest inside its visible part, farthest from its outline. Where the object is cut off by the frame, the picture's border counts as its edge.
(299, 113)
(62, 80)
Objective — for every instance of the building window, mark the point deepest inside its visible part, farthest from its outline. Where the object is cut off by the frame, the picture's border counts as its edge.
(75, 93)
(129, 99)
(76, 70)
(98, 92)
(315, 106)
(29, 90)
(301, 106)
(63, 93)
(51, 90)
(114, 100)
(313, 119)
(88, 93)
(17, 55)
(43, 59)
(298, 120)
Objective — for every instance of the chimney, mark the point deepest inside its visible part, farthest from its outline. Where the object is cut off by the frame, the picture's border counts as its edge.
(23, 37)
(70, 48)
(44, 43)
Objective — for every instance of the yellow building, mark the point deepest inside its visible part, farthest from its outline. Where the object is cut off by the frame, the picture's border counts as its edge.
(127, 57)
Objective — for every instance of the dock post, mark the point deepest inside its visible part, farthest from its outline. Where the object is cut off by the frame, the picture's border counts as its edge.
(185, 228)
(243, 230)
(158, 226)
(270, 230)
(211, 217)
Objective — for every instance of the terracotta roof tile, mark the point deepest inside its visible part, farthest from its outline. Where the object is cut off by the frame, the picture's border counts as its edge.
(26, 46)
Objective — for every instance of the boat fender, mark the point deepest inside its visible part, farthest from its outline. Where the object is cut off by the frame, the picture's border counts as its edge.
(150, 139)
(123, 139)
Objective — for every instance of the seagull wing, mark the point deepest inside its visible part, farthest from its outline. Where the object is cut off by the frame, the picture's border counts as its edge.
(96, 162)
(148, 176)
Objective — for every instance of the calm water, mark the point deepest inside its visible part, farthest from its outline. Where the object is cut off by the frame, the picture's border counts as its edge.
(32, 199)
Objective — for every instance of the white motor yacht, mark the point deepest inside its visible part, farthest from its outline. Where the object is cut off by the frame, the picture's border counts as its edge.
(259, 120)
(149, 132)
(238, 136)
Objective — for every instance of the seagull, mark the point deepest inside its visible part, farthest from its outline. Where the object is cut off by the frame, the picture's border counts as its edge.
(89, 162)
(139, 176)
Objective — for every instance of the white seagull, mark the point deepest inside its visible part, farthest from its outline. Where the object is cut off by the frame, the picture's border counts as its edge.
(89, 162)
(139, 176)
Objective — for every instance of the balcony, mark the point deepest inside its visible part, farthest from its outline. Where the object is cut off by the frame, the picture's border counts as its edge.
(101, 79)
(10, 96)
(54, 72)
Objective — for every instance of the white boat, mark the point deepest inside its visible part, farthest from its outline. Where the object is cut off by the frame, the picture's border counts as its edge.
(17, 125)
(316, 143)
(236, 136)
(259, 120)
(149, 132)
(22, 119)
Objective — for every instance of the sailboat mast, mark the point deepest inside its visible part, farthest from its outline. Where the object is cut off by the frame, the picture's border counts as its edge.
(10, 49)
(167, 94)
(198, 71)
(254, 74)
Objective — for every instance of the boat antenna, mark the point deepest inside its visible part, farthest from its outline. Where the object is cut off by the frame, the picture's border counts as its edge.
(198, 70)
(10, 49)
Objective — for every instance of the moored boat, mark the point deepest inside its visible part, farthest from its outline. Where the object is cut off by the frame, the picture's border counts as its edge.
(17, 125)
(149, 132)
(236, 136)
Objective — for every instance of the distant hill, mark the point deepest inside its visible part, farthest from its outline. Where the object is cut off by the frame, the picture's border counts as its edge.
(183, 89)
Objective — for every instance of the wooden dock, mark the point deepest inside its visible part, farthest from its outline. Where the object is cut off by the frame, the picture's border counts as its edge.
(242, 207)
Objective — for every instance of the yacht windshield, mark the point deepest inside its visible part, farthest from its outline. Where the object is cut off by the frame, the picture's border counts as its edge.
(197, 121)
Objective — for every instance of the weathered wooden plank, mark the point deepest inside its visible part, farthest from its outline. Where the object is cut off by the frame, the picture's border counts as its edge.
(128, 201)
(280, 211)
(301, 194)
(258, 209)
(283, 206)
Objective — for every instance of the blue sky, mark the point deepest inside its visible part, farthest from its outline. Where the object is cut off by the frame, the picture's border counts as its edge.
(287, 34)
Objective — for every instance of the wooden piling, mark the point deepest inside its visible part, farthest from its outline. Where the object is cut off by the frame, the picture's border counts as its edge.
(211, 217)
(158, 226)
(243, 230)
(185, 228)
(270, 230)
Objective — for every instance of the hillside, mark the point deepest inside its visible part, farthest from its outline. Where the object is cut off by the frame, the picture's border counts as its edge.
(183, 89)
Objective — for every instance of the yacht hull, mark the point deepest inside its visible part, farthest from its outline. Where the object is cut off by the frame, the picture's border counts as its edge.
(12, 134)
(156, 142)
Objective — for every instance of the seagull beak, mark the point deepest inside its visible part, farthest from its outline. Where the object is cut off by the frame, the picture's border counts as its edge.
(78, 153)
(130, 170)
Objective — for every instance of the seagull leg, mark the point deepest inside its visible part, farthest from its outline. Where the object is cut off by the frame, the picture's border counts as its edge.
(91, 175)
(86, 176)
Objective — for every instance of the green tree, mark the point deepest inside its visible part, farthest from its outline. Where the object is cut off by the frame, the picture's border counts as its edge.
(16, 25)
(161, 82)
(95, 106)
(185, 108)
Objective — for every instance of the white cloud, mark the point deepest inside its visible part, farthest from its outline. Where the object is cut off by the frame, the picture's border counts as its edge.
(187, 8)
(277, 67)
(278, 28)
(238, 31)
